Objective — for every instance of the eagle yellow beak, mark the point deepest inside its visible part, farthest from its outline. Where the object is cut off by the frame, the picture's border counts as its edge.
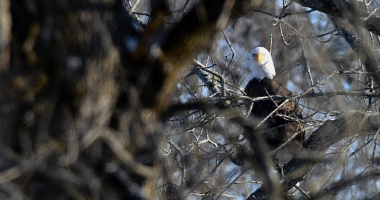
(259, 57)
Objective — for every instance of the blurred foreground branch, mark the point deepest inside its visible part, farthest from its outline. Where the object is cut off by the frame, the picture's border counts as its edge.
(319, 141)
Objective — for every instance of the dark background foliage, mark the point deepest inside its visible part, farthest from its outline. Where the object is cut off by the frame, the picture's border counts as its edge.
(113, 99)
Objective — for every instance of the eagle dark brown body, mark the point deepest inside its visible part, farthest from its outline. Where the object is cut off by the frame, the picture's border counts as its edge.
(276, 130)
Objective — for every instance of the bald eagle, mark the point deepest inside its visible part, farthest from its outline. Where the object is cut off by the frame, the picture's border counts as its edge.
(277, 129)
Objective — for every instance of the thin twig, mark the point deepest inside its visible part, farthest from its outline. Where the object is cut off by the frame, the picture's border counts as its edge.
(221, 79)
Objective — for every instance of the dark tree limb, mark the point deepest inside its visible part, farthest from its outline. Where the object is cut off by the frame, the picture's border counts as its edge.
(375, 197)
(339, 185)
(320, 140)
(350, 17)
(345, 9)
(174, 53)
(171, 53)
(372, 23)
(360, 43)
(8, 103)
(5, 34)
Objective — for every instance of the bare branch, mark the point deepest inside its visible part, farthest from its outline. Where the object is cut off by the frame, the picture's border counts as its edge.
(108, 136)
(314, 147)
(209, 83)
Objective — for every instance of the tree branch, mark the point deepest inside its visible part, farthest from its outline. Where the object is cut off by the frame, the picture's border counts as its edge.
(319, 141)
(200, 70)
(348, 17)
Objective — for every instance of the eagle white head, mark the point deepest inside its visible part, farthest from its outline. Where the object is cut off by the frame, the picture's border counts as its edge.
(262, 64)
